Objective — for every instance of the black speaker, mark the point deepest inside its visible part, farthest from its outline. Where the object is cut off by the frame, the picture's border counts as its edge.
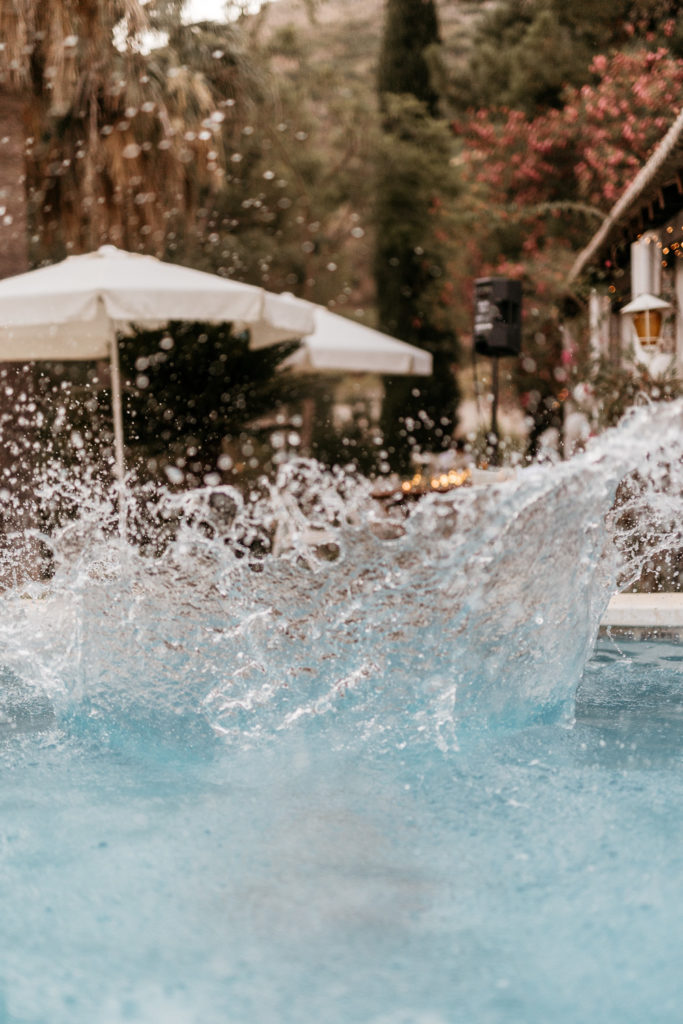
(497, 316)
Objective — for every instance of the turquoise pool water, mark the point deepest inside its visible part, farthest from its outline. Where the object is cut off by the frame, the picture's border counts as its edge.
(392, 783)
(529, 876)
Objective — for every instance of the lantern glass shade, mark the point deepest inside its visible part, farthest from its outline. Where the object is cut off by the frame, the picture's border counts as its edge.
(648, 325)
(647, 315)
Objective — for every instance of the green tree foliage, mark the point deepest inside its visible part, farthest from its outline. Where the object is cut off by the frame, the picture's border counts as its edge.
(292, 215)
(115, 138)
(527, 52)
(546, 180)
(289, 213)
(416, 185)
(296, 190)
(537, 186)
(411, 32)
(190, 390)
(542, 374)
(609, 387)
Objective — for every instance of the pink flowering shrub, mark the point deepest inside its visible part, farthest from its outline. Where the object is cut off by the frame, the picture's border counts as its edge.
(537, 188)
(585, 152)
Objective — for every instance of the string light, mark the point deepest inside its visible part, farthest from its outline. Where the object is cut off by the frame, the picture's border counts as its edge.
(672, 248)
(440, 483)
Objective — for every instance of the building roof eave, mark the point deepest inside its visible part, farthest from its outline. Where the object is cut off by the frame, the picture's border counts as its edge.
(666, 162)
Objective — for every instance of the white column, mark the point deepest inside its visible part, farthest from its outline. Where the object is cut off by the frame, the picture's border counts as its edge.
(599, 314)
(646, 267)
(679, 317)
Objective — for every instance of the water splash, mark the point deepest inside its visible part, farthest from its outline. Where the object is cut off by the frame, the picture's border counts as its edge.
(304, 605)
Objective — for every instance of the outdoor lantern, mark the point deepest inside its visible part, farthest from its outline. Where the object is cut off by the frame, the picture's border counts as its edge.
(647, 313)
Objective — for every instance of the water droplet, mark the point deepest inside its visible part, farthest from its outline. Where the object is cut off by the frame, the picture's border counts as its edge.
(174, 475)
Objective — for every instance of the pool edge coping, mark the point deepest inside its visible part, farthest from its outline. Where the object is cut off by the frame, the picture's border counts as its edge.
(644, 615)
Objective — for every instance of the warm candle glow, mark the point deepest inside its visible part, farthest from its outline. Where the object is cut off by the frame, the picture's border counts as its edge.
(648, 325)
(647, 315)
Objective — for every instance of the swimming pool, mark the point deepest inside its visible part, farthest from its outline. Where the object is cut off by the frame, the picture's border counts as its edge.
(398, 784)
(535, 875)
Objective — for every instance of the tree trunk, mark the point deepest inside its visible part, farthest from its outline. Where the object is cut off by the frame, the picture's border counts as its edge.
(13, 219)
(20, 555)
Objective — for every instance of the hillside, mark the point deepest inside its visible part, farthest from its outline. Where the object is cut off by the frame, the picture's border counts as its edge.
(324, 57)
(330, 55)
(347, 33)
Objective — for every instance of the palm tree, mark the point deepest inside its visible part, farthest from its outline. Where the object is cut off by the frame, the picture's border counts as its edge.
(13, 227)
(117, 138)
(45, 49)
(98, 143)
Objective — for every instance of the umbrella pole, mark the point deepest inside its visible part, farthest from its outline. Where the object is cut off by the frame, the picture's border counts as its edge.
(116, 403)
(117, 412)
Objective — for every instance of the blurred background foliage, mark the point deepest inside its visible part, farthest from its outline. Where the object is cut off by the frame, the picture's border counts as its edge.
(372, 156)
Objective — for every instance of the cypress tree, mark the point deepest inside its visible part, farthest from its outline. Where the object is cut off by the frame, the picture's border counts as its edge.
(411, 30)
(415, 186)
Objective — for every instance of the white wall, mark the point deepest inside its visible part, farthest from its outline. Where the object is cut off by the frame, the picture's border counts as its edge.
(679, 317)
(599, 316)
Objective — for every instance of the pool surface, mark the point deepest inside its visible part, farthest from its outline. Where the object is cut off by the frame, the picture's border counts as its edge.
(529, 876)
(395, 783)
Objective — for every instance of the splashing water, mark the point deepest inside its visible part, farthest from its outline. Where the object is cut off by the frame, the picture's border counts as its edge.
(290, 758)
(477, 609)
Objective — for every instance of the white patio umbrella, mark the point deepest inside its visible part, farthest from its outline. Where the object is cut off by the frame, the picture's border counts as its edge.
(340, 345)
(74, 309)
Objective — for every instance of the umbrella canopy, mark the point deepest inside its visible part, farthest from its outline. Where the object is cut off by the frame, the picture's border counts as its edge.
(340, 345)
(73, 310)
(80, 300)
